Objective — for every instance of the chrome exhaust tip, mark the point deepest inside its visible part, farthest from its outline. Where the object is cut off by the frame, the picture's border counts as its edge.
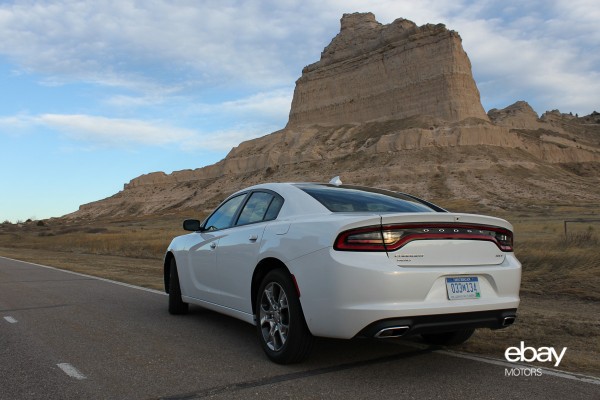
(392, 332)
(507, 321)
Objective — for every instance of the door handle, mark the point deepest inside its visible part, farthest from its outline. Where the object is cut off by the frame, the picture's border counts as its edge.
(213, 245)
(253, 238)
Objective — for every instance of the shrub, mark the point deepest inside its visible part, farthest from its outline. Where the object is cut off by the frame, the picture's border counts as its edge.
(581, 239)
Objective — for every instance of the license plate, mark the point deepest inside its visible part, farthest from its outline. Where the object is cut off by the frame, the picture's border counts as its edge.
(464, 287)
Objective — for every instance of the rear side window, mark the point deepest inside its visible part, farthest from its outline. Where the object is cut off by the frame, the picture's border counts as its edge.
(352, 199)
(261, 206)
(274, 208)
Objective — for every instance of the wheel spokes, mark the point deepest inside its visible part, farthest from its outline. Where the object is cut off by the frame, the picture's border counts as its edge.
(274, 316)
(270, 295)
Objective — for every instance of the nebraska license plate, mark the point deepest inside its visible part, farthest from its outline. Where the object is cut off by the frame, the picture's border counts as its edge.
(463, 287)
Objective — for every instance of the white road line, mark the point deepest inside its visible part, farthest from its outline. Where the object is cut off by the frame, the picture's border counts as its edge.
(90, 276)
(11, 320)
(546, 371)
(503, 363)
(71, 371)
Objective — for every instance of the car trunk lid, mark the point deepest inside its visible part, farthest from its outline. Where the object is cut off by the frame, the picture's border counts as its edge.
(446, 239)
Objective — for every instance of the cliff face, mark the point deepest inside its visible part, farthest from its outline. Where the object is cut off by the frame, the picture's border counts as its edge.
(394, 106)
(372, 71)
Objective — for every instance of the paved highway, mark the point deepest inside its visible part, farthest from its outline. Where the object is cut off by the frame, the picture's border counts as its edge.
(71, 336)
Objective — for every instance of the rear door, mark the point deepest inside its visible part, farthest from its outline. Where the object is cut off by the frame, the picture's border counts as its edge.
(239, 248)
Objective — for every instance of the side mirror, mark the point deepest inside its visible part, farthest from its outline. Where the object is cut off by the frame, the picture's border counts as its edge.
(192, 225)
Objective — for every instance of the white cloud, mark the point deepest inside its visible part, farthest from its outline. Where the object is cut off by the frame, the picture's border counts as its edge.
(115, 132)
(273, 106)
(539, 51)
(263, 102)
(103, 131)
(578, 20)
(121, 42)
(13, 124)
(95, 131)
(531, 58)
(225, 140)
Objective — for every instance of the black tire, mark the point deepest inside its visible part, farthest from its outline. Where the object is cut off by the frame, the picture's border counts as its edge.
(281, 327)
(448, 338)
(176, 305)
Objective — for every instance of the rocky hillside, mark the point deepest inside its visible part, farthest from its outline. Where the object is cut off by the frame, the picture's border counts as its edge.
(395, 106)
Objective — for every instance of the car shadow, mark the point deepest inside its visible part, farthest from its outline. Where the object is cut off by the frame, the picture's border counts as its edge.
(326, 352)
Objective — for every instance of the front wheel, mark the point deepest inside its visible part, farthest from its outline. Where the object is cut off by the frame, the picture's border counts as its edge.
(448, 338)
(176, 305)
(281, 327)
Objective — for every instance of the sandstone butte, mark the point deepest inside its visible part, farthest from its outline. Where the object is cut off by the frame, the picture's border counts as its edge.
(394, 106)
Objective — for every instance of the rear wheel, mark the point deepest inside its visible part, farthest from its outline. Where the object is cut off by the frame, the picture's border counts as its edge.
(176, 305)
(281, 327)
(448, 338)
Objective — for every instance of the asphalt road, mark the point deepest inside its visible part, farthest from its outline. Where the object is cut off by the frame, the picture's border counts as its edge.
(70, 336)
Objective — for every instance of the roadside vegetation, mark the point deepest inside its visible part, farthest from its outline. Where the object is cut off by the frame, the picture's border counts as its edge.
(560, 287)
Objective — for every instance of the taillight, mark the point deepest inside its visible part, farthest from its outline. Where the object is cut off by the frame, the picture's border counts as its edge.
(362, 239)
(393, 237)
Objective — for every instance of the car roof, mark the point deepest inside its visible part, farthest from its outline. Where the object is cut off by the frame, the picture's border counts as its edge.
(298, 201)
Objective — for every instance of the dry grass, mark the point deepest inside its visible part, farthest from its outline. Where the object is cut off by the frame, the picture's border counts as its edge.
(561, 267)
(560, 287)
(141, 272)
(560, 292)
(549, 321)
(144, 238)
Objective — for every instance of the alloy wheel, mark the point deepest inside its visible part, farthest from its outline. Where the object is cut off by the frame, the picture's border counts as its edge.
(274, 316)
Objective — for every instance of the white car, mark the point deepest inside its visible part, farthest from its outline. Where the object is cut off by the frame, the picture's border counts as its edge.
(300, 260)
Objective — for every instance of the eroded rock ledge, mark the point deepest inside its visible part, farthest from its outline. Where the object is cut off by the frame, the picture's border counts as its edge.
(371, 71)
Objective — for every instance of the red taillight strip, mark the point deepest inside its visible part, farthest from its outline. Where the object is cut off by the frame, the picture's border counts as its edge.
(434, 236)
(341, 244)
(433, 232)
(450, 235)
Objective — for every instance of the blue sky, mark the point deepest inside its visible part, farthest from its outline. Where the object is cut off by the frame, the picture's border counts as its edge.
(96, 93)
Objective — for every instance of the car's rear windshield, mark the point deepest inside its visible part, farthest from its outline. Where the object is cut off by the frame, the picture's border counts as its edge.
(359, 199)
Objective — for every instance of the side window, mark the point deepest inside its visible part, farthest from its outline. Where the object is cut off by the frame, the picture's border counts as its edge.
(274, 208)
(261, 206)
(256, 208)
(223, 217)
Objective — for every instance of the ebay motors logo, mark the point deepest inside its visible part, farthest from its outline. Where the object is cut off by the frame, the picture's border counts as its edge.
(530, 354)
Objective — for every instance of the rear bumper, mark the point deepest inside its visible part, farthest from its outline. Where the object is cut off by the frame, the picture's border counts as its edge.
(344, 293)
(415, 325)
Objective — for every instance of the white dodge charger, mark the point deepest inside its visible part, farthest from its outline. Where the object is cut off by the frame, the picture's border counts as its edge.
(300, 260)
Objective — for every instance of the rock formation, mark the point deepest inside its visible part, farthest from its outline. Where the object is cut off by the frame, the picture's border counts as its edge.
(372, 71)
(517, 115)
(394, 106)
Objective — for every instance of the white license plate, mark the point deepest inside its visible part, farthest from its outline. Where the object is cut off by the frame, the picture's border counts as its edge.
(463, 287)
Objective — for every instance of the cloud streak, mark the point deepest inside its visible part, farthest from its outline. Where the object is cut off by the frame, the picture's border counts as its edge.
(114, 132)
(539, 51)
(272, 105)
(127, 133)
(532, 58)
(115, 42)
